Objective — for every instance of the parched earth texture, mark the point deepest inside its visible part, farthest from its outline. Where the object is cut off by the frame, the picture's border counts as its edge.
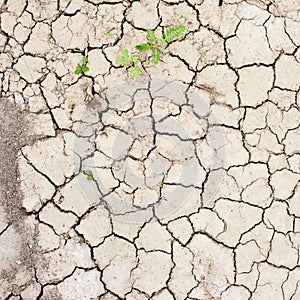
(181, 184)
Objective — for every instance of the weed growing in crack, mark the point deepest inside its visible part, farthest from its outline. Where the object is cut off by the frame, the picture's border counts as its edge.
(129, 62)
(159, 47)
(71, 105)
(156, 46)
(89, 175)
(82, 68)
(50, 36)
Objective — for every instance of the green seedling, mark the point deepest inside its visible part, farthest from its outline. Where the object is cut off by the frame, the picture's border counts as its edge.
(50, 36)
(89, 175)
(71, 105)
(82, 68)
(107, 32)
(161, 184)
(159, 47)
(130, 63)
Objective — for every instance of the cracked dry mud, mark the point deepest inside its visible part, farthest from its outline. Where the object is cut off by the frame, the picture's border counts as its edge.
(195, 185)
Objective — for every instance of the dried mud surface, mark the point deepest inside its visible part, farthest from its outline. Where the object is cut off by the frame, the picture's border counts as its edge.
(182, 184)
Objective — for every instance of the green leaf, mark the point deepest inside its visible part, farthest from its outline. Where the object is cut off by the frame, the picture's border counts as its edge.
(84, 60)
(162, 40)
(125, 54)
(78, 71)
(135, 71)
(121, 61)
(107, 32)
(143, 47)
(172, 33)
(155, 56)
(85, 68)
(135, 59)
(151, 36)
(71, 105)
(89, 174)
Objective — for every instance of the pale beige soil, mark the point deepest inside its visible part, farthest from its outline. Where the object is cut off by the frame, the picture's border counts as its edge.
(195, 186)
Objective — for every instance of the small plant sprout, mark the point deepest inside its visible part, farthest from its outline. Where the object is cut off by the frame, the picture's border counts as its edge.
(161, 184)
(50, 36)
(130, 63)
(107, 32)
(82, 68)
(172, 34)
(71, 105)
(158, 47)
(89, 175)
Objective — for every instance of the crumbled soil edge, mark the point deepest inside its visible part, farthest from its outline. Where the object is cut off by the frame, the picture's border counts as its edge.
(13, 136)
